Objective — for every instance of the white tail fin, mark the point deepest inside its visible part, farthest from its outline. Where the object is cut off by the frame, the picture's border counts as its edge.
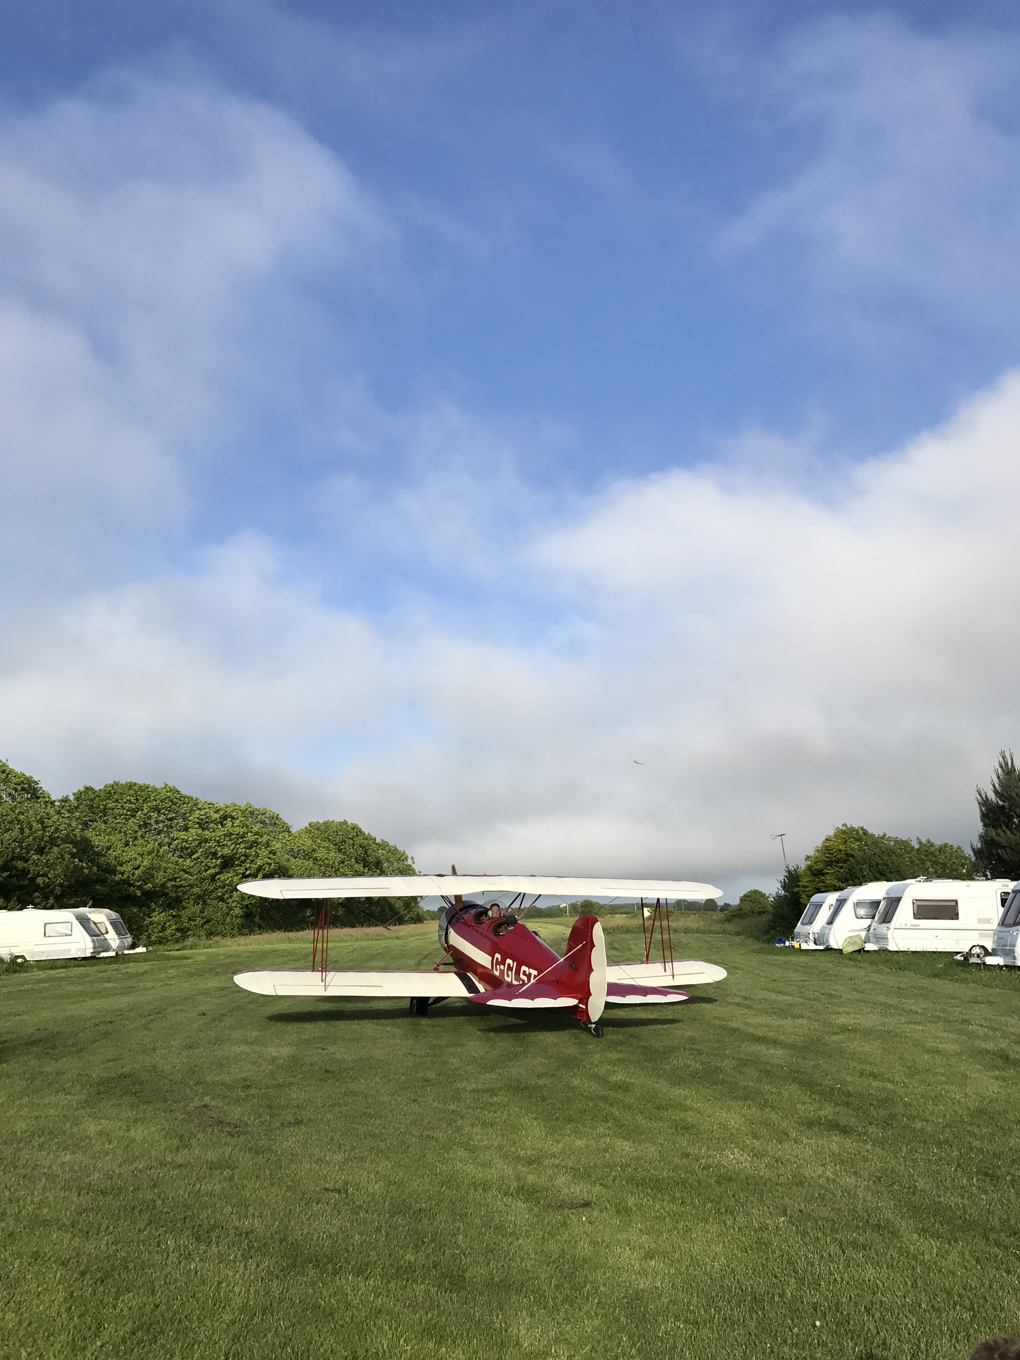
(586, 953)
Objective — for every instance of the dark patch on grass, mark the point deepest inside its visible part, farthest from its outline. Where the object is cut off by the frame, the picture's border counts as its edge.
(569, 1203)
(336, 1190)
(214, 1123)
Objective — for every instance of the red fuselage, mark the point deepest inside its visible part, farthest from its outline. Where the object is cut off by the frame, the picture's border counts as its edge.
(498, 951)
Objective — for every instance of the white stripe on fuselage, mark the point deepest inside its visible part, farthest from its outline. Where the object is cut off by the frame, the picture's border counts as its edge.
(463, 946)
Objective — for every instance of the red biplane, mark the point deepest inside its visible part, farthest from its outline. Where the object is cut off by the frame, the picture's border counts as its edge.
(491, 956)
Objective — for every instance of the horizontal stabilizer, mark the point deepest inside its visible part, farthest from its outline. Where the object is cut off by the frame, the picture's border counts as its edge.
(530, 997)
(640, 994)
(310, 982)
(679, 973)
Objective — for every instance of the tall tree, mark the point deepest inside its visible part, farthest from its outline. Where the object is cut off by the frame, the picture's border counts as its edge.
(853, 854)
(17, 787)
(788, 900)
(827, 868)
(180, 859)
(47, 861)
(344, 849)
(997, 849)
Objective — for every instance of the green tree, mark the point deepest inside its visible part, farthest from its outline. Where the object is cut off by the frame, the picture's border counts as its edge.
(179, 860)
(342, 850)
(46, 860)
(942, 861)
(789, 899)
(754, 902)
(16, 787)
(853, 854)
(827, 866)
(997, 849)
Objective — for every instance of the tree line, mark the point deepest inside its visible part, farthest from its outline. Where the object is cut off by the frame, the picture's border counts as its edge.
(853, 854)
(170, 863)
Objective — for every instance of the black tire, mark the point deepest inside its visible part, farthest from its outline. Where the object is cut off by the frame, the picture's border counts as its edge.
(597, 1031)
(419, 1005)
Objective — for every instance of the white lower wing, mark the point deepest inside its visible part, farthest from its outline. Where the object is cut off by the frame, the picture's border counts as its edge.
(681, 973)
(310, 982)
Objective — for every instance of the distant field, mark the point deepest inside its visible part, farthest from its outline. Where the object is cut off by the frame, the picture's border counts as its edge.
(815, 1159)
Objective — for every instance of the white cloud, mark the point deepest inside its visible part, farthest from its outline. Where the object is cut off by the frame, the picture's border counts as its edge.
(913, 179)
(776, 661)
(155, 236)
(779, 651)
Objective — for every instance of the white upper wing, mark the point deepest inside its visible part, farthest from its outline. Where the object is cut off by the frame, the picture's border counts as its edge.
(681, 973)
(468, 885)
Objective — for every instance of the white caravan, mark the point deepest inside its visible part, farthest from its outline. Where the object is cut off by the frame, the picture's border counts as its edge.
(815, 913)
(944, 914)
(41, 935)
(112, 928)
(851, 914)
(1006, 936)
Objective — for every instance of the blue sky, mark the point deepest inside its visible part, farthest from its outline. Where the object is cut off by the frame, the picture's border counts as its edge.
(422, 414)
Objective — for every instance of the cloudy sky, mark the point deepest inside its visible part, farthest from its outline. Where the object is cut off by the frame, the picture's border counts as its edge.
(562, 437)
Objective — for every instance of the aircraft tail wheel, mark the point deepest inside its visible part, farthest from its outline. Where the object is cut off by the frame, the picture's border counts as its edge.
(419, 1005)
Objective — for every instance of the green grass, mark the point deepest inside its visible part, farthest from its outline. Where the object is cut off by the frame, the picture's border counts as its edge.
(816, 1159)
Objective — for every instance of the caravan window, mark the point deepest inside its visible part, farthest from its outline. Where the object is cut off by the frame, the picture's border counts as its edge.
(119, 927)
(866, 911)
(837, 907)
(887, 910)
(54, 929)
(813, 909)
(936, 909)
(100, 925)
(1011, 916)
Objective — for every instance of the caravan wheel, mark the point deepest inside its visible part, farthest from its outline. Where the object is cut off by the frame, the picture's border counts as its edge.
(977, 951)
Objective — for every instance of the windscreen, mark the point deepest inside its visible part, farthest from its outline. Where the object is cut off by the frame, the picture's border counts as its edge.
(887, 910)
(837, 907)
(866, 911)
(936, 909)
(1011, 916)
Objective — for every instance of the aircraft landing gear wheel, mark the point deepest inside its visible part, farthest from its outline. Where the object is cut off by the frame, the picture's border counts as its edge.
(594, 1028)
(419, 1005)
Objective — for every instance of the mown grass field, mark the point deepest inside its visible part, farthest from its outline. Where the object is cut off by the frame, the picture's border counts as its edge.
(816, 1159)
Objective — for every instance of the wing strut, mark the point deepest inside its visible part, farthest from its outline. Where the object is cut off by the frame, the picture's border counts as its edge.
(320, 938)
(661, 910)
